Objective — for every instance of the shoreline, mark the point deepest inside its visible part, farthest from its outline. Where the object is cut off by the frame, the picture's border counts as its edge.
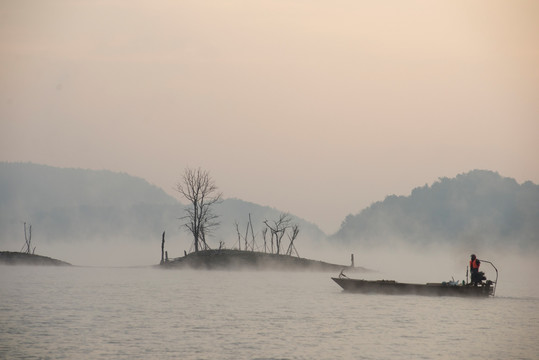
(251, 260)
(18, 258)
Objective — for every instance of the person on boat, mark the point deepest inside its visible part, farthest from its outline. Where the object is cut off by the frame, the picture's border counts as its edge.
(477, 276)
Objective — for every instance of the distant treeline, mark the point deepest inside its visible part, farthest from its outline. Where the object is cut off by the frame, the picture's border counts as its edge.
(81, 205)
(479, 207)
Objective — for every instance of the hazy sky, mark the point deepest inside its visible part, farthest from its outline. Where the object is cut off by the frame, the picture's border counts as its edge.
(315, 107)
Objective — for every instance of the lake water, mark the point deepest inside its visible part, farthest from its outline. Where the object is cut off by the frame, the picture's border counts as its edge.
(148, 313)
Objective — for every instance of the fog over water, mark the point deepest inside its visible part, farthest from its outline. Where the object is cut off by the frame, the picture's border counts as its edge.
(404, 263)
(115, 306)
(148, 313)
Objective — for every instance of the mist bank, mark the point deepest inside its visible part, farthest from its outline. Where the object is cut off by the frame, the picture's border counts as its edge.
(476, 210)
(74, 206)
(92, 217)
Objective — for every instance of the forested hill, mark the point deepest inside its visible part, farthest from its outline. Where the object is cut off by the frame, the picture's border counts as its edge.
(479, 207)
(65, 204)
(32, 185)
(83, 205)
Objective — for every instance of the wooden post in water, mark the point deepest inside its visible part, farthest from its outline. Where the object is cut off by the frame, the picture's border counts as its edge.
(163, 248)
(352, 258)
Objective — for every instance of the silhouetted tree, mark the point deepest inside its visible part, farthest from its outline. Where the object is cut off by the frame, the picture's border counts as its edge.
(291, 246)
(264, 233)
(278, 229)
(200, 190)
(28, 240)
(252, 243)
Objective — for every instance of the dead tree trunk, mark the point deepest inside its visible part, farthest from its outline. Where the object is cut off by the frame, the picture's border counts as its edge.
(291, 246)
(264, 233)
(28, 240)
(279, 237)
(245, 238)
(239, 235)
(278, 230)
(252, 233)
(163, 248)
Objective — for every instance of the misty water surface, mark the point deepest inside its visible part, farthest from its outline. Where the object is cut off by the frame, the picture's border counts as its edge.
(148, 313)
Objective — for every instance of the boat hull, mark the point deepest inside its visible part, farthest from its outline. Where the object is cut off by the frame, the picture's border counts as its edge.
(390, 287)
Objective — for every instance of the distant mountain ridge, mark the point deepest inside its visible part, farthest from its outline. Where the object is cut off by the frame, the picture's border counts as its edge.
(72, 205)
(66, 204)
(478, 207)
(35, 185)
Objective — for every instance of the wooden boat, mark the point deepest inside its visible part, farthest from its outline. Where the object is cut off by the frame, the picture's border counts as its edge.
(391, 287)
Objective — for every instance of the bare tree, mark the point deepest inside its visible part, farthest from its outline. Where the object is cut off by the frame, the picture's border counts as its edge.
(239, 235)
(28, 240)
(252, 243)
(278, 229)
(292, 247)
(264, 233)
(199, 189)
(252, 233)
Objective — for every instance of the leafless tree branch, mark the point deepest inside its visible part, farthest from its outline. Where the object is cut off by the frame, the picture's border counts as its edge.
(199, 189)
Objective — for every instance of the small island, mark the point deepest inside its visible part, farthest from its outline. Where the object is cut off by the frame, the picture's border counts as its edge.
(27, 254)
(272, 252)
(251, 260)
(20, 258)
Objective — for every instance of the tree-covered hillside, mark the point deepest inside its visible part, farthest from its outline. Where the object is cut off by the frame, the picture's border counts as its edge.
(74, 204)
(83, 205)
(476, 207)
(31, 186)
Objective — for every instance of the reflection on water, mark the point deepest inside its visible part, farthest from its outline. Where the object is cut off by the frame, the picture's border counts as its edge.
(142, 313)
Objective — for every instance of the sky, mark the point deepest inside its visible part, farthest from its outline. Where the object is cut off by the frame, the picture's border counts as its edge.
(318, 108)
